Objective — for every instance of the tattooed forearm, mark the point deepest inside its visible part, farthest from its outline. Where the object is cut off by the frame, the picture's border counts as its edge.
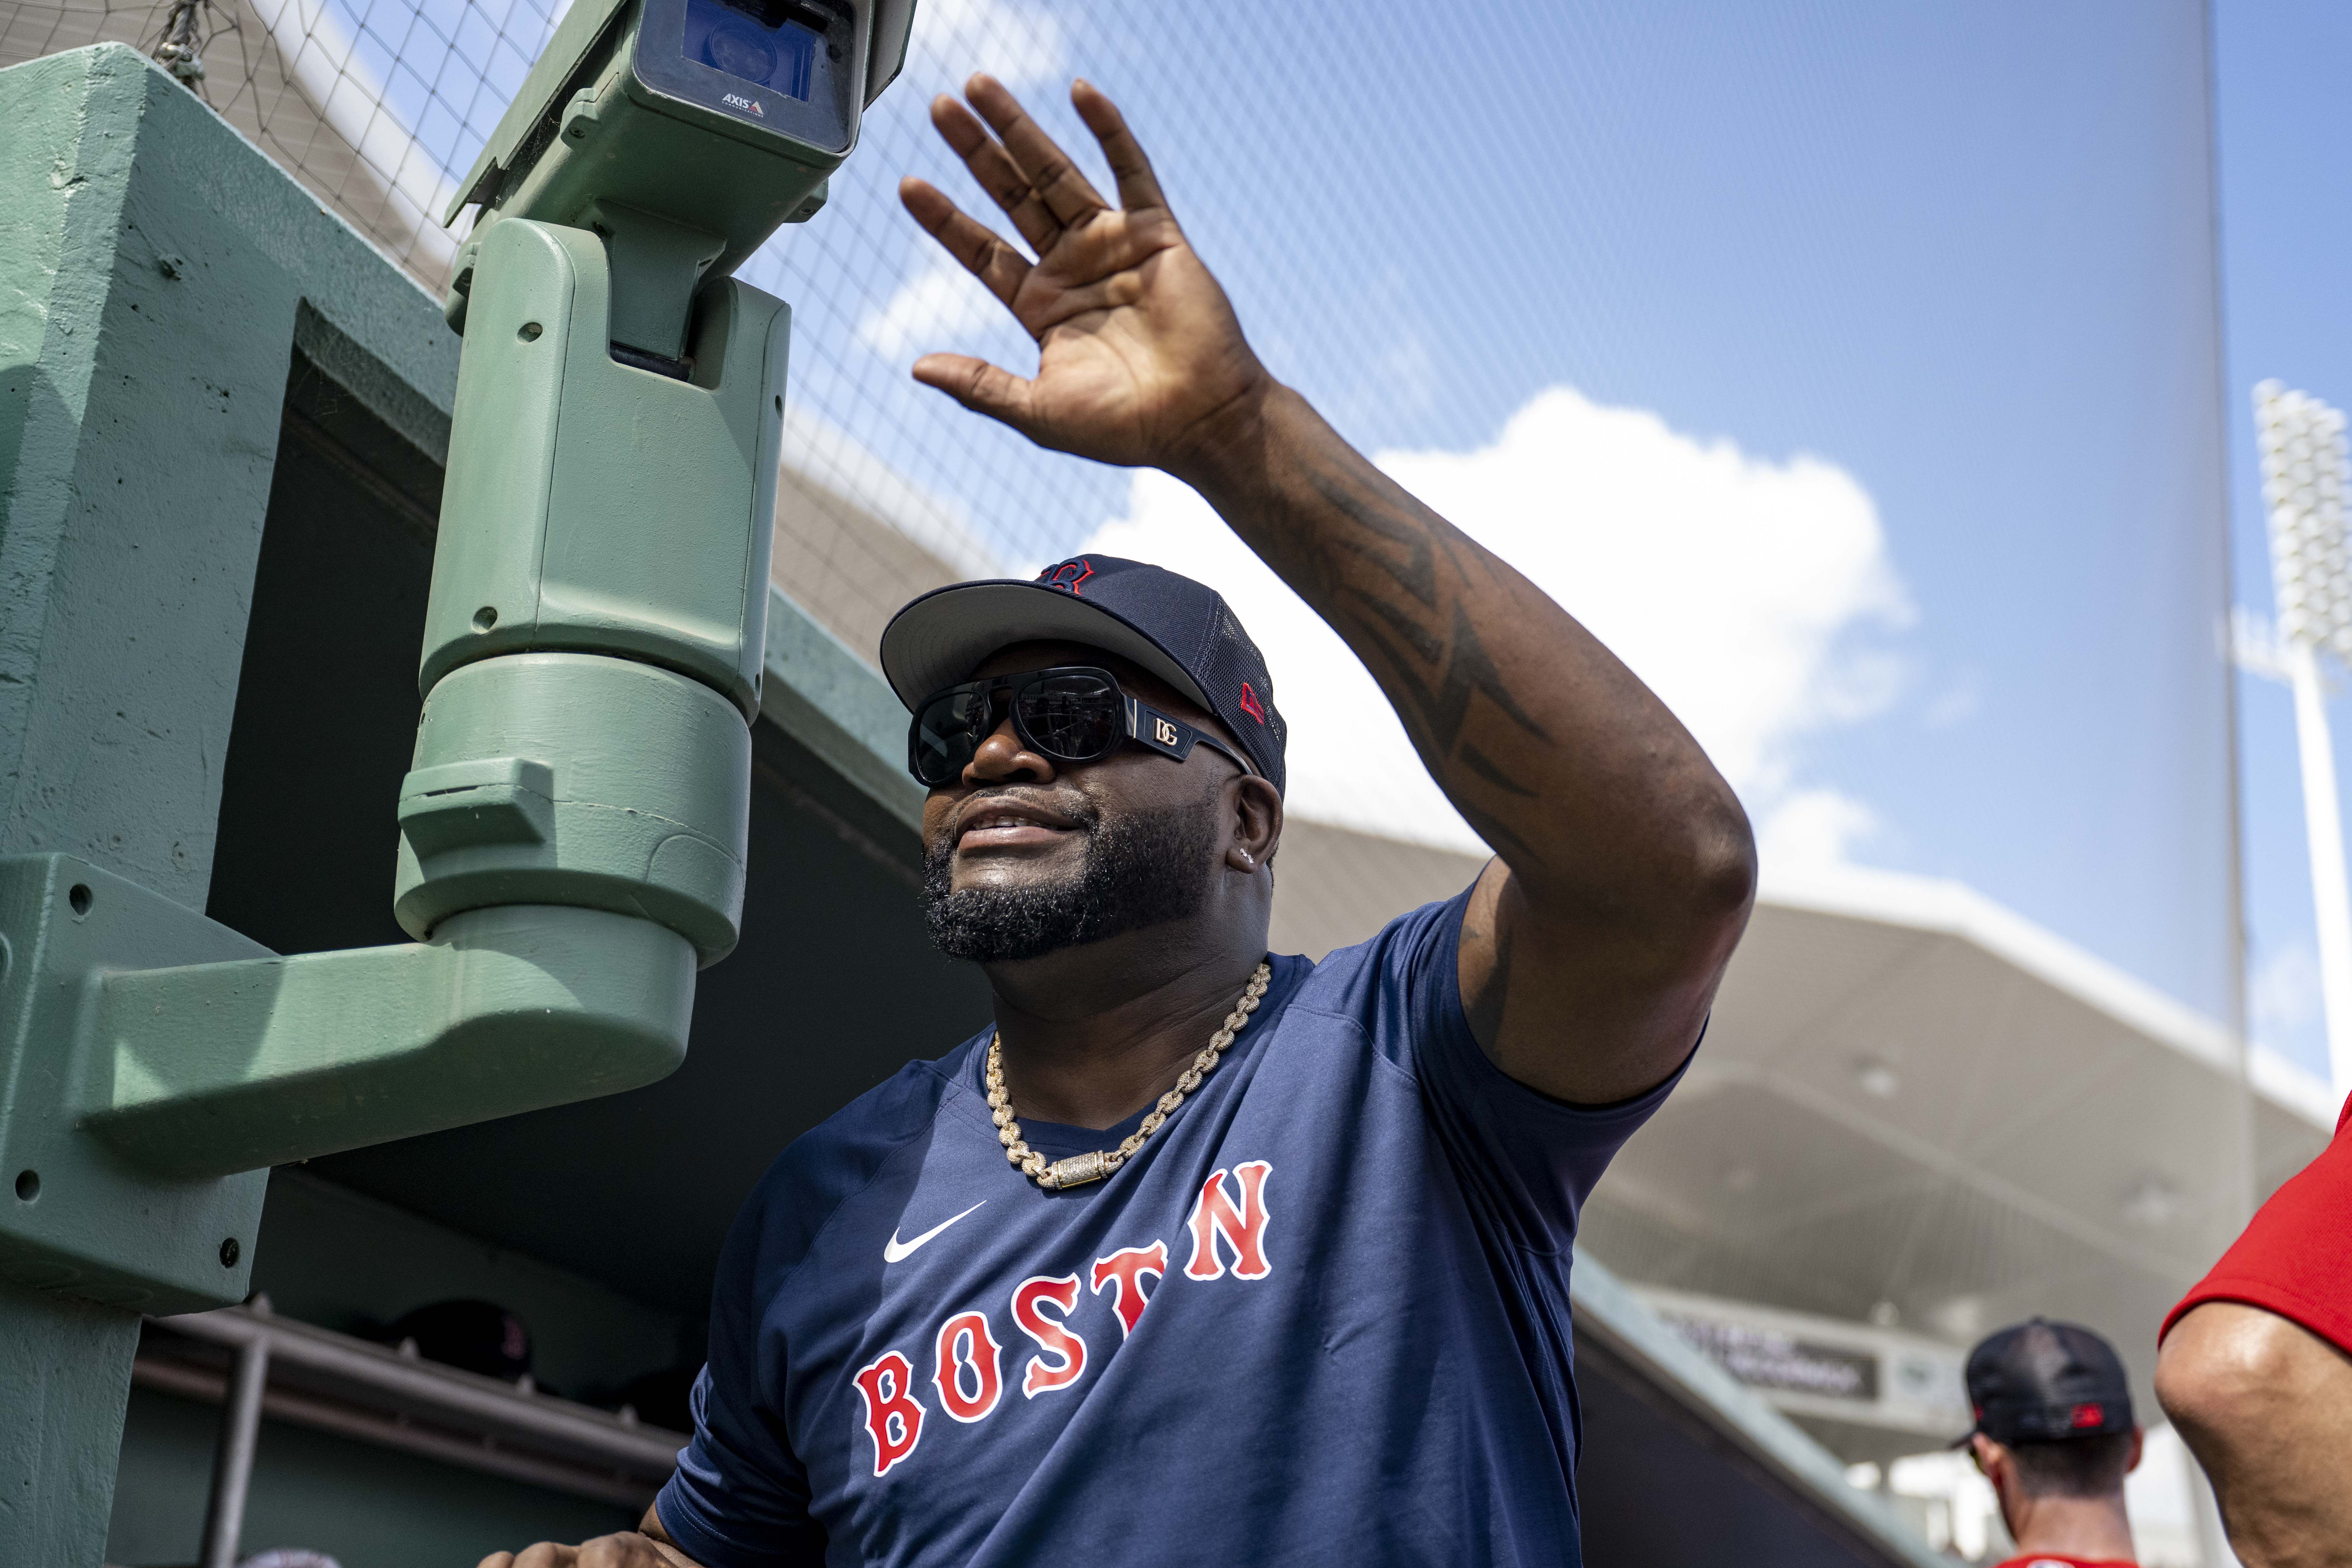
(1517, 852)
(1426, 644)
(1394, 577)
(1479, 762)
(1550, 749)
(1623, 866)
(1442, 708)
(1459, 663)
(1417, 572)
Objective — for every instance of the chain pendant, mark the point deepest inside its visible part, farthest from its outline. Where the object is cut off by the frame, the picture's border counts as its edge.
(1080, 1169)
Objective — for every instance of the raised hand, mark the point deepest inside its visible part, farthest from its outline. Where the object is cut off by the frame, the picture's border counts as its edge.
(1139, 358)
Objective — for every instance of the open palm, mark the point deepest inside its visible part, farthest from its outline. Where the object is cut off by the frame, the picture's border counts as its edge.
(1139, 353)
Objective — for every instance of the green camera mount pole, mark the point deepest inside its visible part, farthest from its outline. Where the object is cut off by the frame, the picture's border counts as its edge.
(572, 829)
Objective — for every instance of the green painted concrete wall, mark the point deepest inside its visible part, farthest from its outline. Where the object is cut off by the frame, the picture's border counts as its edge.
(150, 288)
(151, 271)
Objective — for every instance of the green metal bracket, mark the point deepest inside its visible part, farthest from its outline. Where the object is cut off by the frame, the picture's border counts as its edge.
(142, 1105)
(565, 778)
(223, 1068)
(79, 1218)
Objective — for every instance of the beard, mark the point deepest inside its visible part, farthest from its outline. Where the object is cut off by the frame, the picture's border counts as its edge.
(1138, 871)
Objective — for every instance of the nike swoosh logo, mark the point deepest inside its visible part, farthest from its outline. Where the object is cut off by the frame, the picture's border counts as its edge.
(895, 1251)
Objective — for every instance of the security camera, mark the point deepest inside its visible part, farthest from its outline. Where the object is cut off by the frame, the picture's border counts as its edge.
(596, 633)
(682, 132)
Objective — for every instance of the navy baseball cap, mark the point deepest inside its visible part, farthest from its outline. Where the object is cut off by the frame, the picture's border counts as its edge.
(2041, 1381)
(1180, 630)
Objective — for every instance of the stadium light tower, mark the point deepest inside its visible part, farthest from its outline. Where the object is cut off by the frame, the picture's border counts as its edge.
(2305, 471)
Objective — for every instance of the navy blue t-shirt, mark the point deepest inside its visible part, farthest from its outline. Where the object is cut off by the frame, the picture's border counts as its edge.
(1320, 1317)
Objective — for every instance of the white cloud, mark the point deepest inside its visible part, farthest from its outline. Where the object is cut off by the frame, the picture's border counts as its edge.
(1734, 585)
(1021, 45)
(936, 309)
(1810, 829)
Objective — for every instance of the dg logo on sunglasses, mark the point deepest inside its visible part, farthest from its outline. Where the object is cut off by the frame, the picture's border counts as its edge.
(1162, 731)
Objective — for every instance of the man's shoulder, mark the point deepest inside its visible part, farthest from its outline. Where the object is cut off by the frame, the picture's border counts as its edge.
(892, 1112)
(841, 1156)
(1353, 982)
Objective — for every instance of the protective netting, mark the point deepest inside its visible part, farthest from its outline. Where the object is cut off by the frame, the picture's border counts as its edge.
(377, 108)
(1695, 320)
(1853, 371)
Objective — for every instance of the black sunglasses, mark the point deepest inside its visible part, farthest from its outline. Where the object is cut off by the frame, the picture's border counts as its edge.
(1072, 713)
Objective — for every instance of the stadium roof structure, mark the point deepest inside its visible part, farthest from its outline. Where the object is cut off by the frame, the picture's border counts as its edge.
(1912, 1106)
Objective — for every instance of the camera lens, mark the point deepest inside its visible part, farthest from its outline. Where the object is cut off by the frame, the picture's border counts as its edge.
(762, 42)
(741, 51)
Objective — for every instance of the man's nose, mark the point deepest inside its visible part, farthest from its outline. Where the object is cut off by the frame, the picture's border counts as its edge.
(1003, 758)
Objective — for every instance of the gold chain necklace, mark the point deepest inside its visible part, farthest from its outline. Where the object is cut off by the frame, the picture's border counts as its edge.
(1080, 1169)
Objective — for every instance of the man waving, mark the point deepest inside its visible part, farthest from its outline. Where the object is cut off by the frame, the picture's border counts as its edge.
(1199, 1253)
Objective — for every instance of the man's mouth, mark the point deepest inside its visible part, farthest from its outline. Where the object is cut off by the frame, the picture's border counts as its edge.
(1005, 825)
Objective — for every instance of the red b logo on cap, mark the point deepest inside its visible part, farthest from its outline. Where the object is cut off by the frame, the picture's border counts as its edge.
(2089, 1416)
(1068, 575)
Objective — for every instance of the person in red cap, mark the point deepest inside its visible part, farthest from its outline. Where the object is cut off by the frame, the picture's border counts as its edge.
(2255, 1370)
(2055, 1436)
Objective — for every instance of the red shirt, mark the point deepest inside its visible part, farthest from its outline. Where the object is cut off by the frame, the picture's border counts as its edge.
(2295, 1258)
